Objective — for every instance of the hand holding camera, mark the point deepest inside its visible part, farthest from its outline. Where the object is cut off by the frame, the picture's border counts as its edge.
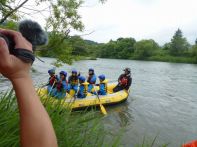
(16, 49)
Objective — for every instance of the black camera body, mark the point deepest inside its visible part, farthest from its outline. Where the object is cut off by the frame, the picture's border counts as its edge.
(31, 31)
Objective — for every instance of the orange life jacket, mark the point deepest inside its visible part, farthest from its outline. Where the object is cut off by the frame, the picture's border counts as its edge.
(190, 144)
(124, 81)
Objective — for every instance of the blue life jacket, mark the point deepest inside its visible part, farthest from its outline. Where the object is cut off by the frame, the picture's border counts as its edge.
(83, 90)
(103, 88)
(92, 79)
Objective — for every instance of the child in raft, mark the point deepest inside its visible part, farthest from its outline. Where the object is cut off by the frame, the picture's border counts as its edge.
(102, 85)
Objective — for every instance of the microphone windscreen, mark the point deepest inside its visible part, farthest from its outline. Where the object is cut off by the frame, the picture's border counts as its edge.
(33, 32)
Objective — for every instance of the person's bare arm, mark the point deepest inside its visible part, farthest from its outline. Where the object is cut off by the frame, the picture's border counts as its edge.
(36, 129)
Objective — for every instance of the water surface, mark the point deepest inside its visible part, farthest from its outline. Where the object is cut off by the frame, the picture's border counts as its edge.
(162, 101)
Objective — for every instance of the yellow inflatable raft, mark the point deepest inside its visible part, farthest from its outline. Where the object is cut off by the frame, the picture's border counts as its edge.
(90, 100)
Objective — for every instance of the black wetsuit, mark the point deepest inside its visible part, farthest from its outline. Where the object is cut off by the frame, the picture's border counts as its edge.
(120, 86)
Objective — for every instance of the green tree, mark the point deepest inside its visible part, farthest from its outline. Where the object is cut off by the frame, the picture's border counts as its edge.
(122, 48)
(194, 53)
(58, 48)
(9, 25)
(145, 49)
(179, 44)
(125, 47)
(79, 46)
(63, 17)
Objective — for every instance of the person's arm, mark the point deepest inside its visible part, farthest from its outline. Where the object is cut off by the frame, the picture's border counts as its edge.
(129, 83)
(35, 126)
(93, 80)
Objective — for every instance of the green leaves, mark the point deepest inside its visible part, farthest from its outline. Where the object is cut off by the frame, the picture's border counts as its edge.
(145, 48)
(64, 16)
(179, 44)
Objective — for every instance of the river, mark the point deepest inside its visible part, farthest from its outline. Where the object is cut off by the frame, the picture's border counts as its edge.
(162, 101)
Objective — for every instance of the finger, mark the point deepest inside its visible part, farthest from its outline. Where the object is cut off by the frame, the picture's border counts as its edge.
(14, 34)
(3, 47)
(4, 51)
(18, 39)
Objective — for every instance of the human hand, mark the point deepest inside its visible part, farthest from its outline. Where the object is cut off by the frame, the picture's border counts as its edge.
(11, 66)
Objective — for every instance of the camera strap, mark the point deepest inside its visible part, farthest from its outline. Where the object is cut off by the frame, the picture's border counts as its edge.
(24, 54)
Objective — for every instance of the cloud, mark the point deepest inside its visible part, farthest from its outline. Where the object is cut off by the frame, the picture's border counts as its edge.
(141, 19)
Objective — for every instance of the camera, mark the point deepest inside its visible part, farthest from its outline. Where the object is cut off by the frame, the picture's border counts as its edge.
(31, 31)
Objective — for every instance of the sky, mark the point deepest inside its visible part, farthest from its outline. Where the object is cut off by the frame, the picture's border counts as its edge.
(140, 19)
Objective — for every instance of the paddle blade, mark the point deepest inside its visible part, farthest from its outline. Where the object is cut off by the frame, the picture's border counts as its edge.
(103, 110)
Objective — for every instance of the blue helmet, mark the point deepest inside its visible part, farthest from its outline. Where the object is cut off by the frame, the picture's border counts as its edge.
(91, 69)
(74, 71)
(63, 73)
(82, 78)
(51, 71)
(102, 77)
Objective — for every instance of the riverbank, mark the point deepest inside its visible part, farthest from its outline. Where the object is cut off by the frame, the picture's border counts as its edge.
(170, 59)
(76, 129)
(73, 129)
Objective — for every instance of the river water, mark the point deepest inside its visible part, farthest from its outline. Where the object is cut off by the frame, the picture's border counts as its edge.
(162, 101)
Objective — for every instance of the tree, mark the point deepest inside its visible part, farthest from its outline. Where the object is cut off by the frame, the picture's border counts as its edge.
(125, 47)
(196, 42)
(122, 48)
(62, 17)
(179, 44)
(79, 46)
(145, 49)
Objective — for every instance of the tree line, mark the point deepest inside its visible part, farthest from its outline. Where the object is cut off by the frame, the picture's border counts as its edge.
(177, 50)
(64, 17)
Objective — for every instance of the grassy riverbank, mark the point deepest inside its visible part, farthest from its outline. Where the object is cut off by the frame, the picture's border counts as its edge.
(169, 58)
(74, 130)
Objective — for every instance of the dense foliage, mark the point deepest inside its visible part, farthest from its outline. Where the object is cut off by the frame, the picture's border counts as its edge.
(178, 50)
(64, 17)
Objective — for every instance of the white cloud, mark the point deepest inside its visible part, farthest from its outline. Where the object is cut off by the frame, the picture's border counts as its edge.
(141, 19)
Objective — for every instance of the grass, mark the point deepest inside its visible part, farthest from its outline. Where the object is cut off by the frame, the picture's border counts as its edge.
(76, 129)
(174, 59)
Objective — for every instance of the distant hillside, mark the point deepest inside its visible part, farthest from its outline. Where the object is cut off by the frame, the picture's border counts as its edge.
(90, 42)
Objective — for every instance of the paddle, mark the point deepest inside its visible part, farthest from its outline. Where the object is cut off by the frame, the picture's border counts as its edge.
(51, 88)
(103, 110)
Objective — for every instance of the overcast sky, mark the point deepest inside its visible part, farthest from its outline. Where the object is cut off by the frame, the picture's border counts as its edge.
(140, 19)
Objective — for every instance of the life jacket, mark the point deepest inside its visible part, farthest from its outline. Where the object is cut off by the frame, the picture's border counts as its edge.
(90, 79)
(52, 80)
(59, 85)
(104, 83)
(73, 80)
(124, 81)
(85, 89)
(191, 144)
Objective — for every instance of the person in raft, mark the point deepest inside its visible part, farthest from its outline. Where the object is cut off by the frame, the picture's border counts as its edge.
(91, 80)
(83, 87)
(124, 81)
(52, 80)
(61, 86)
(73, 81)
(102, 85)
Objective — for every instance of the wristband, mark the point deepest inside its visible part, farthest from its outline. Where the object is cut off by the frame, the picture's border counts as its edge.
(24, 54)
